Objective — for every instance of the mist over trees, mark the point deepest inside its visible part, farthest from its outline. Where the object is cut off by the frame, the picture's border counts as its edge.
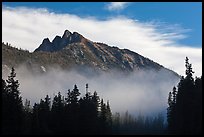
(90, 114)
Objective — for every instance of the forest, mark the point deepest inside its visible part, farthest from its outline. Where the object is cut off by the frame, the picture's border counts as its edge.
(90, 114)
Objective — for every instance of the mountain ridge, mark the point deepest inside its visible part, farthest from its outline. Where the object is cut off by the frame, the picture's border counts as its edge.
(72, 50)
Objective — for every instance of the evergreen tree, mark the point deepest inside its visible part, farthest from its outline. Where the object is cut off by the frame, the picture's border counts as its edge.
(73, 95)
(57, 113)
(116, 123)
(184, 111)
(14, 106)
(108, 116)
(189, 70)
(95, 101)
(72, 110)
(198, 106)
(44, 115)
(27, 117)
(102, 117)
(5, 110)
(174, 93)
(47, 103)
(105, 118)
(35, 125)
(169, 113)
(89, 113)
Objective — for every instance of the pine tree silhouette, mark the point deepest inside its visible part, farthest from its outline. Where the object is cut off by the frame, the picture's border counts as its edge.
(12, 105)
(185, 105)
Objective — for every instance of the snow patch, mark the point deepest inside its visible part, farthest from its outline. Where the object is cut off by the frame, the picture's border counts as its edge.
(43, 68)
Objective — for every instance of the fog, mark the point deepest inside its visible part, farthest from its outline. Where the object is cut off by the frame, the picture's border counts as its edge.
(143, 92)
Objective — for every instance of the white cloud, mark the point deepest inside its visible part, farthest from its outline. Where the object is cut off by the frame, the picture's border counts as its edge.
(26, 28)
(116, 5)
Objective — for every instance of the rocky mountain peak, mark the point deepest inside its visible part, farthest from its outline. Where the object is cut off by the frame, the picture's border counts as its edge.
(77, 37)
(46, 45)
(59, 43)
(46, 40)
(56, 39)
(66, 34)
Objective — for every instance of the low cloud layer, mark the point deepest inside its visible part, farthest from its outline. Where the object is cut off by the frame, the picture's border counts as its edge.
(143, 92)
(26, 28)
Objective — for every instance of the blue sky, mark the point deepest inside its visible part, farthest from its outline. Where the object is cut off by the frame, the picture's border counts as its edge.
(188, 15)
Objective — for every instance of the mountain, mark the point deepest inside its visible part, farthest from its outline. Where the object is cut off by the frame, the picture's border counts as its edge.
(72, 50)
(59, 43)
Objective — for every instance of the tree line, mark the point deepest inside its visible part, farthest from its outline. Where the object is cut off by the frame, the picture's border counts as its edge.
(72, 114)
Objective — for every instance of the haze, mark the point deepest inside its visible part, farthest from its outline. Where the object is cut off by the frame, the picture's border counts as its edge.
(143, 92)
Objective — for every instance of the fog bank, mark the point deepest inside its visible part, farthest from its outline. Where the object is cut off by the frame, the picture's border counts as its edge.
(143, 92)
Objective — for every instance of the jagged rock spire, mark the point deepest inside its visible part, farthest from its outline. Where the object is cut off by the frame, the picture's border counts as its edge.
(66, 34)
(59, 43)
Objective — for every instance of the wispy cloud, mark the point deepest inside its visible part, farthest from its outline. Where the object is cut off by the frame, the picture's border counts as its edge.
(112, 6)
(26, 28)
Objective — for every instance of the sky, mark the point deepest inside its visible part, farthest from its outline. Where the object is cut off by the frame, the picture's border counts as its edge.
(165, 32)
